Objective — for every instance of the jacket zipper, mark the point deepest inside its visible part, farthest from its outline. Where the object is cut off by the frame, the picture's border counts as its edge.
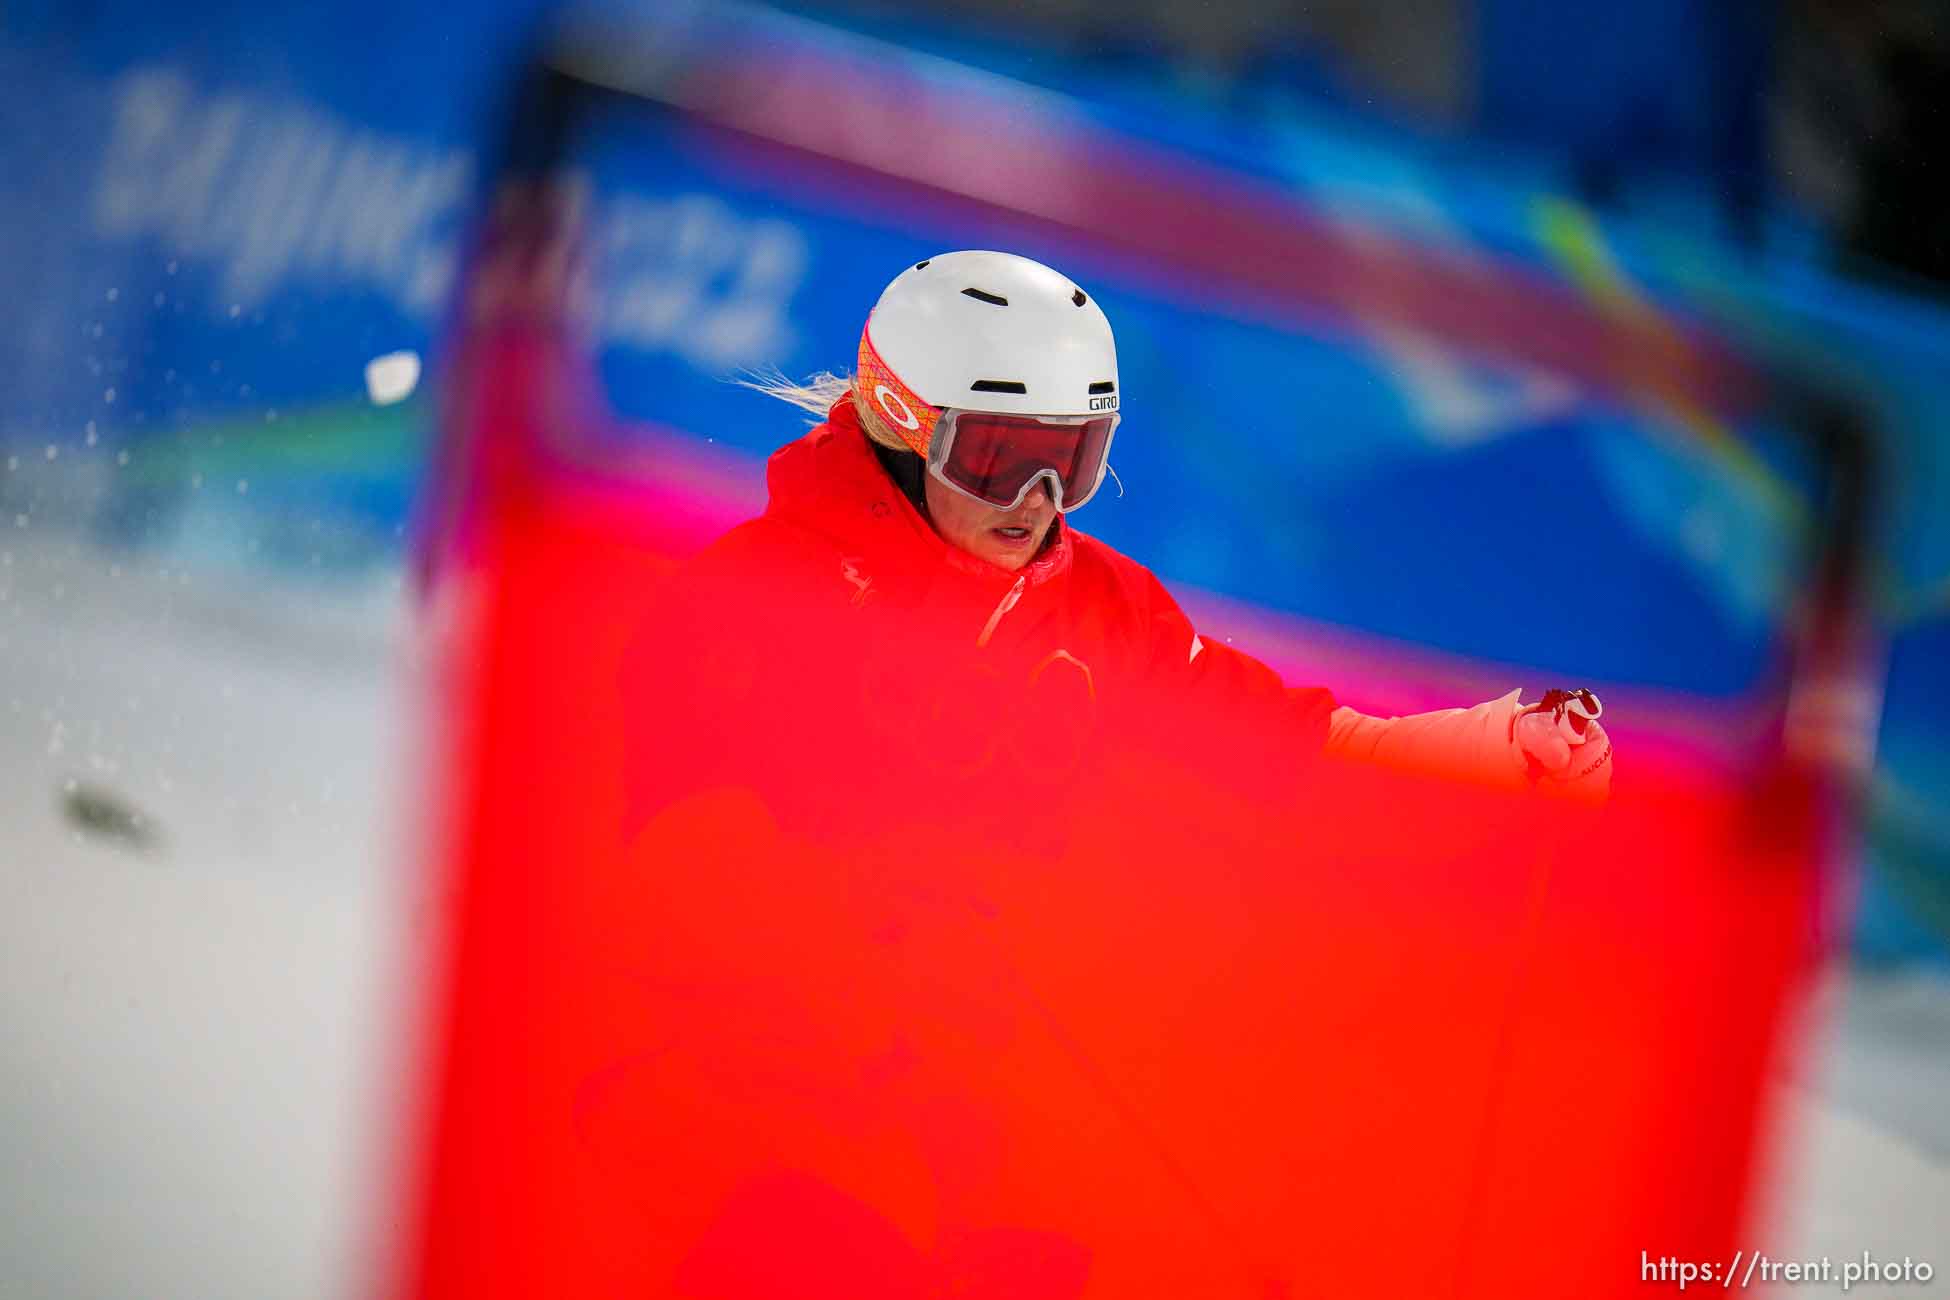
(1008, 603)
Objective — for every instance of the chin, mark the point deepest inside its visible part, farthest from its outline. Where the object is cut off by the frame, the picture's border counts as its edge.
(1000, 559)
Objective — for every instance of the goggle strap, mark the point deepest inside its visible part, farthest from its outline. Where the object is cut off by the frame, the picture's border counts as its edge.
(898, 406)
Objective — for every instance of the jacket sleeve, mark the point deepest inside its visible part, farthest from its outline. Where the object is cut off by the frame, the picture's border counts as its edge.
(1229, 689)
(1470, 744)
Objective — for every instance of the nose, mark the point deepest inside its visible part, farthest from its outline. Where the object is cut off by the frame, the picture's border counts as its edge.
(1039, 494)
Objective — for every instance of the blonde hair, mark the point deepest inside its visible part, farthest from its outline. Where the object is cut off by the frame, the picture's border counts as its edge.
(816, 396)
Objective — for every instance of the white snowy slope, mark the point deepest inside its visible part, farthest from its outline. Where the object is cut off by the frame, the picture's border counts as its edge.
(1863, 1159)
(191, 1024)
(195, 1013)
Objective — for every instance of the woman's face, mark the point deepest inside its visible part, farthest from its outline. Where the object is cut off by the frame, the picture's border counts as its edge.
(1008, 539)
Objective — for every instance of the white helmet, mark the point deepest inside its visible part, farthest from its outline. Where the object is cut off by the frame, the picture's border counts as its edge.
(989, 331)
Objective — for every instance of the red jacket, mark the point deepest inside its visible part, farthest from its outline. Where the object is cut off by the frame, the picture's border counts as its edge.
(839, 628)
(977, 936)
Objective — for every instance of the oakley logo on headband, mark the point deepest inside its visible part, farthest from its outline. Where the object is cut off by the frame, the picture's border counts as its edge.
(887, 400)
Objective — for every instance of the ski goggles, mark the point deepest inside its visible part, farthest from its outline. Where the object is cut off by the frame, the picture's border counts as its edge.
(998, 458)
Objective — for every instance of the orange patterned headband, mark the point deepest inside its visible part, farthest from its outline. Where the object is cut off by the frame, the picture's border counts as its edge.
(905, 413)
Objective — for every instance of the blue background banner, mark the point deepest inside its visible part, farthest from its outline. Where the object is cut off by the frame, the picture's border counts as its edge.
(217, 220)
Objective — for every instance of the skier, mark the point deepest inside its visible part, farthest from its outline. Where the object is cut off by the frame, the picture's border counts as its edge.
(977, 927)
(925, 521)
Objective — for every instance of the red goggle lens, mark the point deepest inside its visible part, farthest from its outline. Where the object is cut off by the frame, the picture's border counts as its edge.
(997, 457)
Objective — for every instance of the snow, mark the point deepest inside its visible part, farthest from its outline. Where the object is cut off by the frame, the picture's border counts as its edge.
(191, 1030)
(393, 377)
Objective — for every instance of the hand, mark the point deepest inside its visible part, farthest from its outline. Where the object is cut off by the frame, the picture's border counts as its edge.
(1562, 747)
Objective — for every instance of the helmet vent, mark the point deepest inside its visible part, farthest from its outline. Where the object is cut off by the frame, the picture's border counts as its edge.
(992, 298)
(998, 386)
(1103, 386)
(922, 266)
(1078, 298)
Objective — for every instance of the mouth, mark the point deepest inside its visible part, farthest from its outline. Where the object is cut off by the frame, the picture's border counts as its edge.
(1014, 536)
